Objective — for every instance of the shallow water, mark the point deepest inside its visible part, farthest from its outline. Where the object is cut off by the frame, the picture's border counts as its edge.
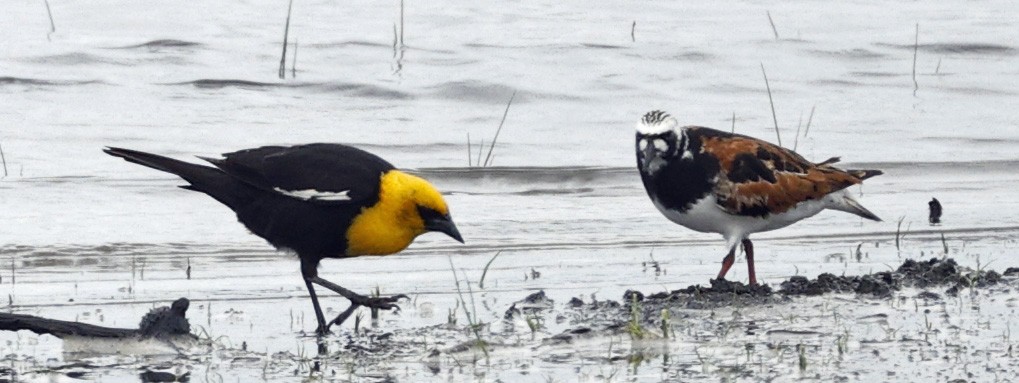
(83, 231)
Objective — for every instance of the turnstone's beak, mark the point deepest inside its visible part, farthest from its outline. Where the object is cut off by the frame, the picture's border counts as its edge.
(648, 156)
(649, 151)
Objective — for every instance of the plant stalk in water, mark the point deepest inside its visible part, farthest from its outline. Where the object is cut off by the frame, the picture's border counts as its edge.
(772, 22)
(916, 48)
(484, 272)
(53, 27)
(4, 160)
(286, 34)
(771, 100)
(501, 122)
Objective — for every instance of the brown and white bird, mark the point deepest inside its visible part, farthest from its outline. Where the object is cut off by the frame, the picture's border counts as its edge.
(718, 182)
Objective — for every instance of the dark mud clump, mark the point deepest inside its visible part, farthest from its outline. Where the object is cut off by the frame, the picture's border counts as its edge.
(531, 305)
(928, 274)
(636, 307)
(720, 293)
(878, 284)
(721, 286)
(922, 274)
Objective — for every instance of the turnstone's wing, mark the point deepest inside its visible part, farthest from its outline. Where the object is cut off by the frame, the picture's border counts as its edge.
(757, 178)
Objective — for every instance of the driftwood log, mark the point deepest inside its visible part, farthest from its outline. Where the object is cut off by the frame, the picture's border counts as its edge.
(160, 322)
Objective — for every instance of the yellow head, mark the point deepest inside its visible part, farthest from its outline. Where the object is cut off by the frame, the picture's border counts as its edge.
(408, 206)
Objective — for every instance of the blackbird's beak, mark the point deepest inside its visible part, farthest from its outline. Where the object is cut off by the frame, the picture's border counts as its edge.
(444, 224)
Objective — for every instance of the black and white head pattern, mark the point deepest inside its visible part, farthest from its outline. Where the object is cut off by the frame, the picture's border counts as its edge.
(659, 140)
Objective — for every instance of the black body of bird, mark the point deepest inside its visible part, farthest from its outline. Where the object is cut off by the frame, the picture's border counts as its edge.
(935, 211)
(320, 201)
(162, 321)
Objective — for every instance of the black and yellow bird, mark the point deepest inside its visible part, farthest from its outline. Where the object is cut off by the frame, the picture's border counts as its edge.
(319, 201)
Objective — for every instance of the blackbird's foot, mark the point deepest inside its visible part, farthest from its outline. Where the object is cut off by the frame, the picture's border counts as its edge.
(383, 303)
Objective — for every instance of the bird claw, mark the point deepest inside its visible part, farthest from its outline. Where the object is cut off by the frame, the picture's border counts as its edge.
(321, 332)
(383, 303)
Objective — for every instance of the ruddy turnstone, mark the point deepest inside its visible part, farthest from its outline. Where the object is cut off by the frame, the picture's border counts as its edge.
(717, 182)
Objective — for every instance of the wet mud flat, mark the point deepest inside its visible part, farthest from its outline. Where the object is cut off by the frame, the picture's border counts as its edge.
(926, 320)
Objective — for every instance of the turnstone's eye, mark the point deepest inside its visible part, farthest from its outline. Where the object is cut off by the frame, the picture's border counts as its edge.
(661, 145)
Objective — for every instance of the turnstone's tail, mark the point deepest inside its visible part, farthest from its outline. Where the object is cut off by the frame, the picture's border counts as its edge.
(844, 202)
(865, 174)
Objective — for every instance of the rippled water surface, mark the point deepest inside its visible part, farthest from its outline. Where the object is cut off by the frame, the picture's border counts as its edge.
(84, 233)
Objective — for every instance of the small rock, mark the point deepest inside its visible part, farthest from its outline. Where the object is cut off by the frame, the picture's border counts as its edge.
(531, 304)
(575, 302)
(632, 295)
(928, 295)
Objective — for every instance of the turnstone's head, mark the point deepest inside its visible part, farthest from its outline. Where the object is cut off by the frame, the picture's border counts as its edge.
(659, 140)
(656, 122)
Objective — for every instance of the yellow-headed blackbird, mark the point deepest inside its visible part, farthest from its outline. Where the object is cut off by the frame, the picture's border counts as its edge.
(320, 201)
(720, 182)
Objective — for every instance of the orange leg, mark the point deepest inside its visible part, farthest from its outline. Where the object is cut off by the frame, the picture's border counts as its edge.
(727, 263)
(748, 247)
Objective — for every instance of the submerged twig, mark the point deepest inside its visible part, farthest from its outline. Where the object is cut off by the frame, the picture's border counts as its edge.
(286, 35)
(796, 138)
(396, 40)
(4, 160)
(772, 22)
(484, 272)
(504, 113)
(898, 232)
(401, 23)
(469, 164)
(481, 149)
(293, 62)
(772, 101)
(733, 122)
(809, 119)
(53, 27)
(633, 31)
(916, 48)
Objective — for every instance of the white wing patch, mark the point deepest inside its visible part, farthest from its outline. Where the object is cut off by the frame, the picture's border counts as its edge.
(312, 194)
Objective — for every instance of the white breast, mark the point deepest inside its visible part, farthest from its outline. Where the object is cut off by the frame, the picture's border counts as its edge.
(706, 216)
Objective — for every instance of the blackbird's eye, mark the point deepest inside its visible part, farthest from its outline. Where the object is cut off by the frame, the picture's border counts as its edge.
(429, 214)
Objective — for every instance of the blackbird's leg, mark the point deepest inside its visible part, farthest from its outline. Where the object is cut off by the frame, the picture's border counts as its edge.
(309, 273)
(749, 248)
(322, 327)
(343, 316)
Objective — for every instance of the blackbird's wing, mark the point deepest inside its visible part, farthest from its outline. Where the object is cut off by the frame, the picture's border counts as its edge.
(317, 173)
